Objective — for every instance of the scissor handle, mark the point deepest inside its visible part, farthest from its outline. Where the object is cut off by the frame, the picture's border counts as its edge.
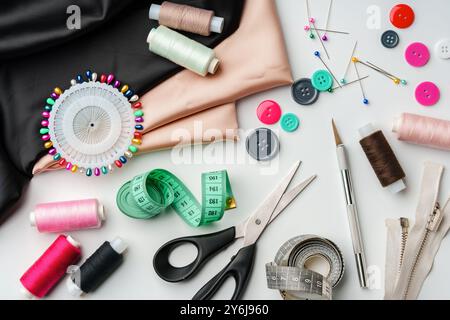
(239, 268)
(207, 246)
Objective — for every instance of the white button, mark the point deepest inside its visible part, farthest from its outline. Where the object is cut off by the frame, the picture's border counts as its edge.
(442, 49)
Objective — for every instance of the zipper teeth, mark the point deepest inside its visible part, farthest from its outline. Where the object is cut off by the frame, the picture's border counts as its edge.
(402, 248)
(416, 261)
(431, 225)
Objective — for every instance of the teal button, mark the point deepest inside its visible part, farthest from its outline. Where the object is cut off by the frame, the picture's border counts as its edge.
(322, 80)
(289, 122)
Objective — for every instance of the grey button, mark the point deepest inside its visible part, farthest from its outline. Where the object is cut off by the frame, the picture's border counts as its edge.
(303, 92)
(390, 39)
(262, 144)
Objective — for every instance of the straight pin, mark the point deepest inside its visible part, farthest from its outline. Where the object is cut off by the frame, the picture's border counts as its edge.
(312, 20)
(324, 37)
(381, 70)
(348, 83)
(377, 70)
(308, 28)
(365, 100)
(317, 54)
(308, 13)
(402, 81)
(395, 79)
(343, 80)
(386, 74)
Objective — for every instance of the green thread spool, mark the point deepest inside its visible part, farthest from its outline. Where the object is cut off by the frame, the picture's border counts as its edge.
(183, 51)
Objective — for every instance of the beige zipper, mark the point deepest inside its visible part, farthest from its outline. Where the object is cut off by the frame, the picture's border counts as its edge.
(433, 223)
(414, 249)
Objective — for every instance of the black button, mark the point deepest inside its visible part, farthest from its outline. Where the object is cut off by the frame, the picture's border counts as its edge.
(262, 144)
(390, 39)
(303, 92)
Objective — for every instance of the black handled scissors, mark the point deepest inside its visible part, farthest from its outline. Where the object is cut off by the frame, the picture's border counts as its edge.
(208, 245)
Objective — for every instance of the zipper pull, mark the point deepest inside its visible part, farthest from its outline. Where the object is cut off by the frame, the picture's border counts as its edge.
(435, 218)
(404, 223)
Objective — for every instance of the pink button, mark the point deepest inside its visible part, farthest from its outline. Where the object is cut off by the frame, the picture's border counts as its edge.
(268, 112)
(417, 54)
(427, 93)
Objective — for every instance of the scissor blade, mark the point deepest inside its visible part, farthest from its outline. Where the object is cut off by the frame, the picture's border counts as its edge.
(290, 196)
(258, 221)
(286, 200)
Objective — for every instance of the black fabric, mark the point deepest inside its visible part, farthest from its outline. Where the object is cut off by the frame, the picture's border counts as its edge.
(38, 52)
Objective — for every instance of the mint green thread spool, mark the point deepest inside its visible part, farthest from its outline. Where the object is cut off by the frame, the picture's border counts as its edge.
(183, 51)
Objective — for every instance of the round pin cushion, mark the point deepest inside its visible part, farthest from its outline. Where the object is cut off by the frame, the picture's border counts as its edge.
(91, 126)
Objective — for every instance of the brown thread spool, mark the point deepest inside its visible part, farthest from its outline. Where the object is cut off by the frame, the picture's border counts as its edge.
(382, 159)
(186, 18)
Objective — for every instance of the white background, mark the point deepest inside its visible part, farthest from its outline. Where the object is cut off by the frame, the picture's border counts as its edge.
(319, 210)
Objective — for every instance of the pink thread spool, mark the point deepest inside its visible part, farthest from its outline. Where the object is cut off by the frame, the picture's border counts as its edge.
(427, 131)
(67, 215)
(51, 266)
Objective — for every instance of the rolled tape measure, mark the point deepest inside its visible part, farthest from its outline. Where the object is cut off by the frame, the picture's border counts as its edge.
(148, 194)
(295, 282)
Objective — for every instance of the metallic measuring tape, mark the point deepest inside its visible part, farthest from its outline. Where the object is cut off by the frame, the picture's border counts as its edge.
(295, 282)
(150, 193)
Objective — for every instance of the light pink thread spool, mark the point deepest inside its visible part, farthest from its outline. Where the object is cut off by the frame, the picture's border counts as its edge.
(67, 215)
(427, 131)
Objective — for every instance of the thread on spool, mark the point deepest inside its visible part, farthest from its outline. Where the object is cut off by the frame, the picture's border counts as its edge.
(183, 51)
(51, 266)
(186, 18)
(97, 268)
(67, 215)
(382, 159)
(422, 130)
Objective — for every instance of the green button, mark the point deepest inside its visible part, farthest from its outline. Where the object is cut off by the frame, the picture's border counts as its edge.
(322, 80)
(289, 122)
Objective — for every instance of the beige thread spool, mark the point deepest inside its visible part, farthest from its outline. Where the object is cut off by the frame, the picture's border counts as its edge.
(183, 51)
(186, 18)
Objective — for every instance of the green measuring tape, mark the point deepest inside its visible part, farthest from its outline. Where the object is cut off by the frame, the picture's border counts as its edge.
(150, 193)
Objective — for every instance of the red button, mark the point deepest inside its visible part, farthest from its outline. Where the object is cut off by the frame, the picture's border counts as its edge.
(268, 112)
(402, 16)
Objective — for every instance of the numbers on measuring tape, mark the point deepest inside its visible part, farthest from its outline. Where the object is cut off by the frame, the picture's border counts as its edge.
(288, 274)
(156, 190)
